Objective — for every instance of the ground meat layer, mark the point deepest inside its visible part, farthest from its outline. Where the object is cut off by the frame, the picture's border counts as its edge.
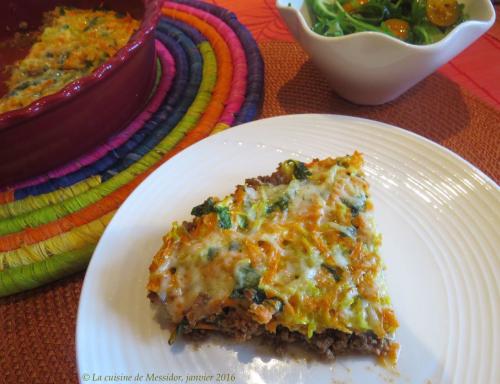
(237, 325)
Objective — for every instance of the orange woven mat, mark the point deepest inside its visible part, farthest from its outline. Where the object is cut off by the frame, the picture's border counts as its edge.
(37, 328)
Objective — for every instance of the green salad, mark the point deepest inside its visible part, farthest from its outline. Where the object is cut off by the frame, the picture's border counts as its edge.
(413, 21)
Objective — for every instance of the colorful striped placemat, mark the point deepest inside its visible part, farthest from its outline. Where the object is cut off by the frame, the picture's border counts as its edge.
(210, 77)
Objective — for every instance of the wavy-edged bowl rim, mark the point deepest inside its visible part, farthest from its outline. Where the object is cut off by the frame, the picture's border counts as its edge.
(80, 85)
(393, 40)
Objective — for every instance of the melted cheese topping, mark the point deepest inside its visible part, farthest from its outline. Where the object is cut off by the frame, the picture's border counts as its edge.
(72, 44)
(309, 244)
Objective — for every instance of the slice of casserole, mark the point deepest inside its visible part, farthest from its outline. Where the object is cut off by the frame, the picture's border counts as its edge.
(292, 257)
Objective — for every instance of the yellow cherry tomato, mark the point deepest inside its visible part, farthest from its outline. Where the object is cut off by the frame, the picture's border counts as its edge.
(353, 5)
(398, 27)
(442, 13)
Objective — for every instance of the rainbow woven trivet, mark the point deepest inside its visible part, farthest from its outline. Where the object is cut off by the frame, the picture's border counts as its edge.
(210, 78)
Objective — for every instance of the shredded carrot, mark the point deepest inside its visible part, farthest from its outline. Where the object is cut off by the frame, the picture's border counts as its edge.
(261, 314)
(273, 258)
(271, 326)
(207, 326)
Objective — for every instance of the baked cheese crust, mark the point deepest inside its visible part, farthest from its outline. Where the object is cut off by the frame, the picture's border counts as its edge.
(73, 43)
(297, 250)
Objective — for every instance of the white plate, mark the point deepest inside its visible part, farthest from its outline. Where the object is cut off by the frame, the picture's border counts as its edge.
(439, 217)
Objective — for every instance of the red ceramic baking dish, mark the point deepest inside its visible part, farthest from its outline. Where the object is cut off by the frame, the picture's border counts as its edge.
(60, 127)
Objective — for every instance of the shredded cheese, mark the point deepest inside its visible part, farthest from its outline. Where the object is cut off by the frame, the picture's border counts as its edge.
(308, 242)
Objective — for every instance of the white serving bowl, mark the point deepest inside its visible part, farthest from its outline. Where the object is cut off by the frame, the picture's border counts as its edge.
(372, 68)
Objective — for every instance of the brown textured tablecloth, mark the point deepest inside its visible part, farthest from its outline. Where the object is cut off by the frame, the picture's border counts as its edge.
(37, 328)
